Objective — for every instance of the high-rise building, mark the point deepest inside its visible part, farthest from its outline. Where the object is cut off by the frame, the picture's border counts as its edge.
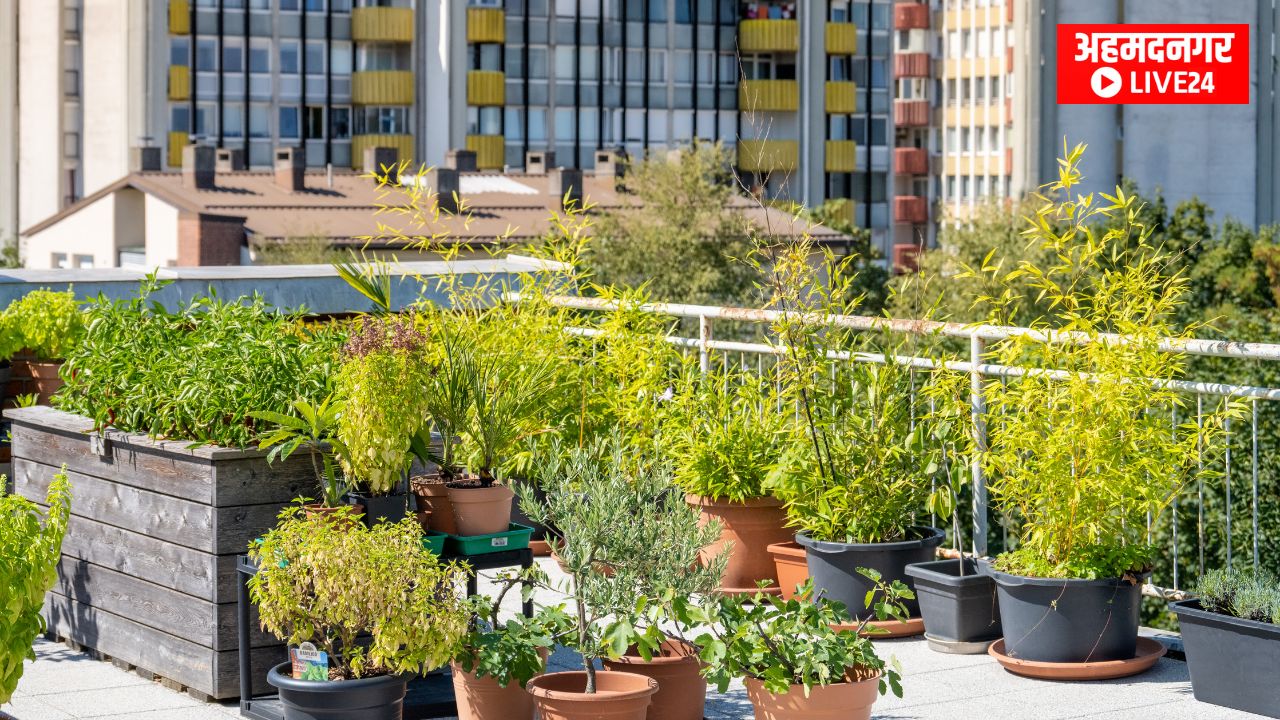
(799, 88)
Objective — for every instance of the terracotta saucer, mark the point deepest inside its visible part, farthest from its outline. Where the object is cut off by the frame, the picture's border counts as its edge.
(887, 629)
(540, 548)
(1148, 652)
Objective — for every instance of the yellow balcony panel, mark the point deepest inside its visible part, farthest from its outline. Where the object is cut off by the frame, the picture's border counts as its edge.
(402, 143)
(382, 87)
(486, 87)
(382, 24)
(490, 151)
(842, 97)
(768, 36)
(177, 141)
(768, 155)
(842, 38)
(486, 25)
(842, 156)
(179, 82)
(768, 95)
(179, 17)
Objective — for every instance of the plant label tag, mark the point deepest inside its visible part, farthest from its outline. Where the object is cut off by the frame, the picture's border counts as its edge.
(498, 542)
(309, 663)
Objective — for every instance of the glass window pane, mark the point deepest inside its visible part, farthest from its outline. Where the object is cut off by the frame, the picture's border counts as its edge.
(289, 57)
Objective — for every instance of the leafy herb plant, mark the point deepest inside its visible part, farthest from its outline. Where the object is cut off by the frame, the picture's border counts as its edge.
(1241, 593)
(48, 323)
(511, 651)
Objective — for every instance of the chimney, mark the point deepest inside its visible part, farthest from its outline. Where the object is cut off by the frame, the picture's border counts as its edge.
(460, 160)
(229, 160)
(145, 159)
(443, 183)
(565, 181)
(197, 167)
(291, 168)
(380, 160)
(611, 165)
(538, 162)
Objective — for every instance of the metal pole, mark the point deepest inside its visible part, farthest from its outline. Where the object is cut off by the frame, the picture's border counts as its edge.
(704, 340)
(978, 409)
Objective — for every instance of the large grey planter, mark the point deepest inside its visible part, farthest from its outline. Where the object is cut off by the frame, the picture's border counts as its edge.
(148, 566)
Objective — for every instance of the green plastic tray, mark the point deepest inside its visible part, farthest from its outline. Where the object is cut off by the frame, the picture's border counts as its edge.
(434, 541)
(515, 538)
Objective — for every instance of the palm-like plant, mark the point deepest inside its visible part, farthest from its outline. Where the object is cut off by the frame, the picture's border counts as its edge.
(314, 428)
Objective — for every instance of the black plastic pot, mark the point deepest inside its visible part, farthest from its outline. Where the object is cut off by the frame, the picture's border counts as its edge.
(393, 506)
(960, 611)
(1068, 620)
(1232, 661)
(376, 698)
(6, 368)
(834, 566)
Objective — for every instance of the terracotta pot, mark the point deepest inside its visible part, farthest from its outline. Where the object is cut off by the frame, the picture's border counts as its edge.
(44, 377)
(747, 530)
(791, 566)
(618, 696)
(842, 701)
(682, 693)
(316, 509)
(481, 510)
(432, 495)
(424, 519)
(482, 698)
(540, 548)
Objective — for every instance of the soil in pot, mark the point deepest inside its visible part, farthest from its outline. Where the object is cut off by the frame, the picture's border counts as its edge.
(958, 604)
(834, 566)
(682, 693)
(618, 696)
(791, 566)
(430, 493)
(480, 510)
(841, 701)
(1232, 660)
(1067, 620)
(747, 530)
(376, 698)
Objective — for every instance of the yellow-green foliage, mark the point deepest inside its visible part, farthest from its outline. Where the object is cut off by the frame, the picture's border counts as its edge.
(328, 579)
(45, 322)
(29, 552)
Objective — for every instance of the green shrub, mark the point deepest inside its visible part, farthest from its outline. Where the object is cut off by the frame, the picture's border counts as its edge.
(1242, 593)
(327, 580)
(29, 553)
(49, 324)
(195, 374)
(511, 651)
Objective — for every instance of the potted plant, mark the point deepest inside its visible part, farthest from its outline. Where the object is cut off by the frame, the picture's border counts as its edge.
(314, 428)
(326, 585)
(620, 533)
(447, 402)
(29, 553)
(794, 661)
(47, 324)
(495, 659)
(1083, 455)
(380, 385)
(1231, 636)
(724, 433)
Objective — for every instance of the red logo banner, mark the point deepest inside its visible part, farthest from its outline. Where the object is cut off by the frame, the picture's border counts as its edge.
(1153, 64)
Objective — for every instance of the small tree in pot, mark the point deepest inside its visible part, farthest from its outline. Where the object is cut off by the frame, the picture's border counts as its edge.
(321, 583)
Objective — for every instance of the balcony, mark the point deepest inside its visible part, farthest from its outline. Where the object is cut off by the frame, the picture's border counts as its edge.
(486, 25)
(910, 161)
(911, 113)
(768, 36)
(486, 88)
(179, 17)
(842, 156)
(769, 95)
(179, 82)
(842, 38)
(911, 65)
(403, 145)
(910, 209)
(382, 87)
(382, 24)
(490, 151)
(910, 16)
(176, 140)
(765, 156)
(842, 97)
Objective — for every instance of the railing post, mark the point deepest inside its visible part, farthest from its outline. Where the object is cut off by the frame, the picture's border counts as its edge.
(978, 411)
(704, 339)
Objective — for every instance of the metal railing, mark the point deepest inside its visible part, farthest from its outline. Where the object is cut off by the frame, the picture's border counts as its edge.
(977, 337)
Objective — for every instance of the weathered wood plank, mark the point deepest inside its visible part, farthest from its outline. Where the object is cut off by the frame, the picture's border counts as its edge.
(153, 651)
(188, 571)
(254, 482)
(235, 527)
(49, 418)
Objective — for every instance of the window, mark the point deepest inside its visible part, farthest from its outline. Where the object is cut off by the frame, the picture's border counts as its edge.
(59, 260)
(259, 56)
(514, 127)
(315, 57)
(537, 124)
(488, 57)
(684, 11)
(232, 121)
(589, 62)
(260, 5)
(879, 74)
(484, 121)
(207, 55)
(232, 56)
(564, 124)
(588, 120)
(179, 118)
(965, 140)
(706, 62)
(289, 57)
(259, 121)
(206, 119)
(565, 56)
(315, 6)
(340, 58)
(658, 11)
(180, 51)
(538, 63)
(290, 5)
(635, 65)
(682, 62)
(288, 121)
(381, 121)
(340, 123)
(880, 16)
(84, 262)
(658, 66)
(313, 122)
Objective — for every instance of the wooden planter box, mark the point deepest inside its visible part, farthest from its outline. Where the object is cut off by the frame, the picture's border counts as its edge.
(148, 565)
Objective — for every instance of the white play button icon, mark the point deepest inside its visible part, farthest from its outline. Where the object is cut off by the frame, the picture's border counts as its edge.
(1106, 82)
